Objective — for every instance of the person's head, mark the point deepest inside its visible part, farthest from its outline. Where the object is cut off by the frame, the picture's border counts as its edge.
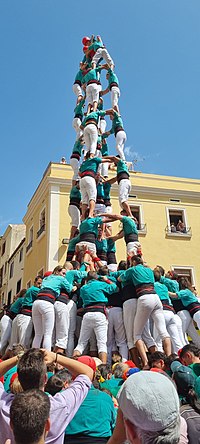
(105, 370)
(38, 281)
(136, 260)
(103, 271)
(32, 369)
(59, 271)
(92, 275)
(122, 265)
(184, 283)
(157, 275)
(189, 354)
(157, 360)
(119, 369)
(75, 265)
(160, 269)
(65, 376)
(183, 377)
(68, 265)
(150, 406)
(29, 417)
(54, 385)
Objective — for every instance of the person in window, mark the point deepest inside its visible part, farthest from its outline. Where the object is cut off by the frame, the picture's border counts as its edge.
(181, 226)
(172, 227)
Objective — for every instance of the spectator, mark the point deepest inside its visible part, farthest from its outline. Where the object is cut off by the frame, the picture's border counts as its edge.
(29, 417)
(181, 227)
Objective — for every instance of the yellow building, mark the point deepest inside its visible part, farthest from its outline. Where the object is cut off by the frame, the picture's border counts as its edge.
(158, 202)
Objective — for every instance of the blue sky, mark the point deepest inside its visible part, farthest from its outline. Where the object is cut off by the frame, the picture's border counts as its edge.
(155, 45)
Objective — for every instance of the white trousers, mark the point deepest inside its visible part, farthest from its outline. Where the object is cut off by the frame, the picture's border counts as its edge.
(102, 52)
(5, 330)
(104, 169)
(90, 137)
(88, 189)
(133, 247)
(72, 327)
(62, 323)
(188, 326)
(124, 189)
(76, 123)
(116, 333)
(180, 330)
(102, 125)
(115, 94)
(90, 246)
(43, 316)
(22, 328)
(99, 208)
(149, 306)
(129, 312)
(75, 215)
(92, 345)
(120, 141)
(75, 166)
(92, 93)
(98, 323)
(171, 327)
(77, 90)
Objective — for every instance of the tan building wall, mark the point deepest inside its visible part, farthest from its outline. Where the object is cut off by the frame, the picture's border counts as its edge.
(156, 198)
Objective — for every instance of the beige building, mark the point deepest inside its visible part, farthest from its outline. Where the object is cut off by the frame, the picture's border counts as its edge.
(9, 269)
(158, 202)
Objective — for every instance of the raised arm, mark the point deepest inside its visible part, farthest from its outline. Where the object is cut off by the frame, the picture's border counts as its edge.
(75, 367)
(8, 364)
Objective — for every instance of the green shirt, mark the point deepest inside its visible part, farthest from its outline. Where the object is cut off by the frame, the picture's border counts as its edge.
(111, 246)
(79, 108)
(90, 165)
(113, 384)
(112, 78)
(106, 187)
(93, 74)
(94, 115)
(171, 284)
(90, 225)
(77, 147)
(95, 417)
(101, 245)
(73, 276)
(72, 243)
(162, 292)
(56, 283)
(187, 297)
(75, 194)
(104, 148)
(129, 225)
(122, 167)
(95, 291)
(16, 306)
(79, 76)
(30, 296)
(96, 45)
(116, 123)
(139, 275)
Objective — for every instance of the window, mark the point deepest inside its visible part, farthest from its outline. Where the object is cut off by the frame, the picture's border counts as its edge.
(9, 297)
(30, 241)
(3, 248)
(136, 211)
(187, 272)
(11, 269)
(19, 285)
(177, 223)
(41, 223)
(28, 284)
(41, 272)
(5, 267)
(21, 254)
(1, 276)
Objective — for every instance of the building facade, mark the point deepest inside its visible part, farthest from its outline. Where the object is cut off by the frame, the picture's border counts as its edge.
(11, 240)
(167, 209)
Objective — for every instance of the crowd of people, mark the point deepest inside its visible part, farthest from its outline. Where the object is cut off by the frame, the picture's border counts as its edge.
(111, 335)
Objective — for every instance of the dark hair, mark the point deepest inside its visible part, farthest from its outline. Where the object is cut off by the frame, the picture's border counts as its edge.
(156, 356)
(103, 271)
(31, 369)
(184, 283)
(161, 269)
(122, 265)
(119, 370)
(171, 358)
(192, 399)
(64, 375)
(38, 277)
(54, 385)
(157, 275)
(189, 348)
(91, 275)
(137, 259)
(75, 264)
(29, 412)
(105, 369)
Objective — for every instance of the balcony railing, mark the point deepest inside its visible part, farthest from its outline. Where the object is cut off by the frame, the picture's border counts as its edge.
(41, 230)
(29, 246)
(172, 231)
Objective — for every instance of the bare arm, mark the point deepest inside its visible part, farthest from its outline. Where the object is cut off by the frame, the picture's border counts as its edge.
(173, 295)
(7, 365)
(111, 181)
(119, 433)
(105, 91)
(75, 367)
